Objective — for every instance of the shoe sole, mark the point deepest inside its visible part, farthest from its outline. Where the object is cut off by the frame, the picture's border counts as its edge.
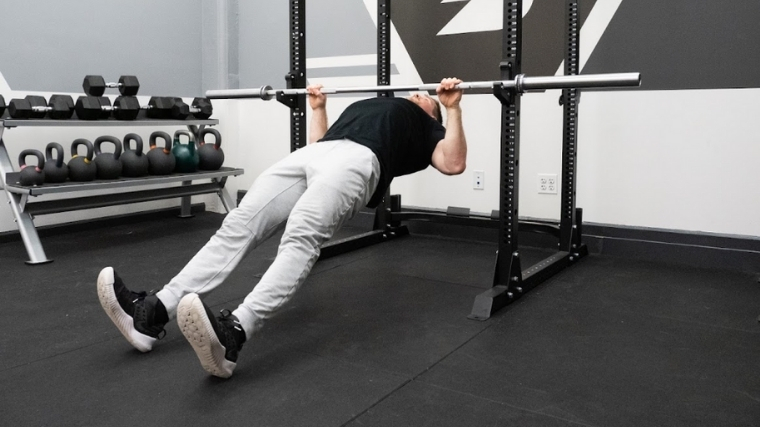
(118, 316)
(196, 327)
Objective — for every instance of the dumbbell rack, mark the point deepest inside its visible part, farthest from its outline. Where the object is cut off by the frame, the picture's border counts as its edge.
(24, 210)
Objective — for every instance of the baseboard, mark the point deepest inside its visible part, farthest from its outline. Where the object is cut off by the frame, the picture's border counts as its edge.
(69, 227)
(708, 250)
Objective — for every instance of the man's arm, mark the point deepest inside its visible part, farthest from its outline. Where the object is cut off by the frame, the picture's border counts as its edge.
(318, 101)
(450, 155)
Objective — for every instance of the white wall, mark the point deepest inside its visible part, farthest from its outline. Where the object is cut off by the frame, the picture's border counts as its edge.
(684, 160)
(680, 160)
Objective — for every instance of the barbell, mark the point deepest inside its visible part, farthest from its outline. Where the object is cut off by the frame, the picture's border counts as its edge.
(520, 84)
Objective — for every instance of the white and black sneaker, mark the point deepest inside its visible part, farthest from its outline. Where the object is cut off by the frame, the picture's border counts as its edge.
(216, 340)
(140, 316)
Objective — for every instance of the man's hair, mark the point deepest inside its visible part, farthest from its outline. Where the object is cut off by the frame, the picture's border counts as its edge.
(437, 110)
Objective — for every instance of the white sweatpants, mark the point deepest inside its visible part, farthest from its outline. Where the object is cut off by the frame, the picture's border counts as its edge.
(312, 192)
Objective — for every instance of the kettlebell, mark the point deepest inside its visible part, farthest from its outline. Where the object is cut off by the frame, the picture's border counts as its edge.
(186, 154)
(55, 169)
(134, 163)
(31, 175)
(109, 164)
(82, 169)
(211, 155)
(160, 160)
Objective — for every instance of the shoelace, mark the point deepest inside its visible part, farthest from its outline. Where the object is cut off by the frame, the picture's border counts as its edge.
(230, 324)
(142, 295)
(141, 314)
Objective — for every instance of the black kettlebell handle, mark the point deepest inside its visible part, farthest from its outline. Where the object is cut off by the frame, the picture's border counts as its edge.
(217, 137)
(31, 152)
(113, 140)
(163, 135)
(86, 143)
(49, 153)
(138, 142)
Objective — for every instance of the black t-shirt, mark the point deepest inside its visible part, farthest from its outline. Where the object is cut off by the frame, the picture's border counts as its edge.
(400, 133)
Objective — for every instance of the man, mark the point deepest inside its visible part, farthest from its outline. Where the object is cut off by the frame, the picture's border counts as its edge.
(310, 193)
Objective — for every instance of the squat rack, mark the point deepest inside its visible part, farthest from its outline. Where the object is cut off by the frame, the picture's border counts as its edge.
(510, 281)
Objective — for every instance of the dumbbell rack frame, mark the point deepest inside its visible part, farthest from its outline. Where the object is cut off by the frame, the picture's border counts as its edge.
(24, 210)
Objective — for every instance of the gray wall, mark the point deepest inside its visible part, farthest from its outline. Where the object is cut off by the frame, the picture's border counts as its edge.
(51, 45)
(333, 28)
(339, 27)
(220, 36)
(263, 44)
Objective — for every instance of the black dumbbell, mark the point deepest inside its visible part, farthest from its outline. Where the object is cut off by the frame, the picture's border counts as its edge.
(124, 108)
(201, 108)
(2, 105)
(93, 107)
(96, 85)
(60, 107)
(159, 107)
(128, 108)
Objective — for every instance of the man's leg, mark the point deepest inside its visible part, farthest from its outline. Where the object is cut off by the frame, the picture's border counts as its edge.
(140, 316)
(262, 212)
(337, 190)
(339, 185)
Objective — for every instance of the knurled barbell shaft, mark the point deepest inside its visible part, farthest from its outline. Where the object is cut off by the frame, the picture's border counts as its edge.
(520, 84)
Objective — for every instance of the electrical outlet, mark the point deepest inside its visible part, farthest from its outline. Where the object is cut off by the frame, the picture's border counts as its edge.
(547, 183)
(478, 180)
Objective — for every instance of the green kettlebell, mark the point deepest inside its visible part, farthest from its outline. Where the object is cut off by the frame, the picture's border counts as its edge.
(185, 154)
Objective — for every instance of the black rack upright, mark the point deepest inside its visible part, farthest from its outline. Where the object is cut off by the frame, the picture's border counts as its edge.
(510, 281)
(296, 78)
(570, 217)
